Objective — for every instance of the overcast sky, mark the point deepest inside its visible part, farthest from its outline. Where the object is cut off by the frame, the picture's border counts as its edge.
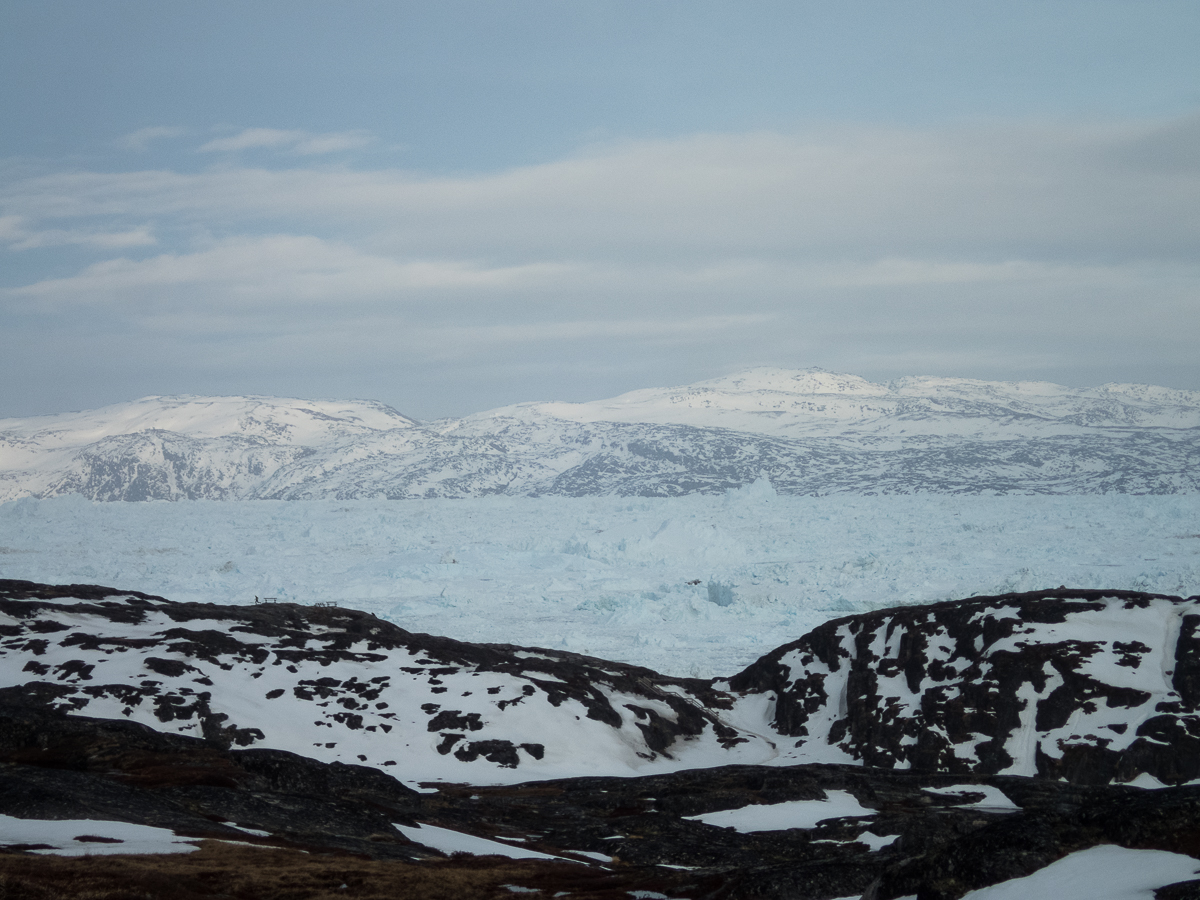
(450, 206)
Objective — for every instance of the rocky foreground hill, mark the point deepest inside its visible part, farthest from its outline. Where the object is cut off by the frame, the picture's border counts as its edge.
(808, 432)
(925, 751)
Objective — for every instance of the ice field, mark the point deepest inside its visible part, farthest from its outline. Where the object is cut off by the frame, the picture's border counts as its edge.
(695, 585)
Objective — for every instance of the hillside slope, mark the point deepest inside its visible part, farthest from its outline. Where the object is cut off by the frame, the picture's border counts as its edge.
(1090, 686)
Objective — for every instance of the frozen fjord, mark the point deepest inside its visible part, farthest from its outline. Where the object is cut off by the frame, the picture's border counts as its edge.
(628, 579)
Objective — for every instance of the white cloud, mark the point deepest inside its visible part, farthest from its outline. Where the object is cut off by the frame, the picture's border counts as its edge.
(18, 237)
(332, 143)
(11, 229)
(864, 249)
(463, 339)
(253, 138)
(300, 142)
(142, 138)
(965, 195)
(273, 270)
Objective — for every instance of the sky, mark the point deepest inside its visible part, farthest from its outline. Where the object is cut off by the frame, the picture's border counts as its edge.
(451, 206)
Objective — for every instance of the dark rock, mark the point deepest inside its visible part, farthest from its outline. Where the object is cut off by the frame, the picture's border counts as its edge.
(968, 675)
(925, 698)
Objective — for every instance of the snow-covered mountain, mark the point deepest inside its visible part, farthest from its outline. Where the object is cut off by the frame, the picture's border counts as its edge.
(791, 403)
(176, 447)
(809, 432)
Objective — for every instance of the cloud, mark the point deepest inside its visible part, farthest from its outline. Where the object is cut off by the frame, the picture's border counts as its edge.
(991, 194)
(10, 228)
(272, 270)
(253, 138)
(1046, 249)
(317, 144)
(141, 139)
(302, 143)
(464, 339)
(18, 237)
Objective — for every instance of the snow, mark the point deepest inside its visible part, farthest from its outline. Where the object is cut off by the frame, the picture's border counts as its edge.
(591, 854)
(994, 799)
(874, 841)
(449, 841)
(811, 402)
(1106, 872)
(64, 836)
(1147, 782)
(610, 577)
(791, 814)
(254, 831)
(293, 421)
(816, 433)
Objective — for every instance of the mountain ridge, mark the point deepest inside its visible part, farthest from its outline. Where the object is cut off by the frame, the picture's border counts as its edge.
(807, 431)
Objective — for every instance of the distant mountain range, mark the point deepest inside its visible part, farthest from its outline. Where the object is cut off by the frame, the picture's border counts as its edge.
(809, 432)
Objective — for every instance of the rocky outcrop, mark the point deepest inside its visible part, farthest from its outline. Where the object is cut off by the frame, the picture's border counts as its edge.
(909, 833)
(342, 685)
(1087, 686)
(920, 751)
(54, 766)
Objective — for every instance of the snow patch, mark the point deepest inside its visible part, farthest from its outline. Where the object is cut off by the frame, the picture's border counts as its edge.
(90, 837)
(448, 841)
(790, 814)
(1106, 872)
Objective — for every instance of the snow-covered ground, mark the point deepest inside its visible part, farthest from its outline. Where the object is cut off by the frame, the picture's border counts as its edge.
(695, 585)
(1105, 872)
(90, 837)
(789, 814)
(450, 841)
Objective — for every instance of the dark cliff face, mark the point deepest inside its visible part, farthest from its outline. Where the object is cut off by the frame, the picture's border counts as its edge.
(1089, 686)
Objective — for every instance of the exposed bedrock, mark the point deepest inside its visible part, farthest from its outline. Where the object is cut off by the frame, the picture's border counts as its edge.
(1088, 686)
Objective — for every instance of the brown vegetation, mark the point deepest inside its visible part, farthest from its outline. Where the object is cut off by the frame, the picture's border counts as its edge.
(221, 871)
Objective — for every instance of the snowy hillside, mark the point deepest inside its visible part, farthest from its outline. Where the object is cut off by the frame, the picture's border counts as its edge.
(809, 432)
(1091, 686)
(172, 447)
(1088, 686)
(812, 403)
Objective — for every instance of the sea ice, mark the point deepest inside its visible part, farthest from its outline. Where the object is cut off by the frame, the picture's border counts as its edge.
(626, 579)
